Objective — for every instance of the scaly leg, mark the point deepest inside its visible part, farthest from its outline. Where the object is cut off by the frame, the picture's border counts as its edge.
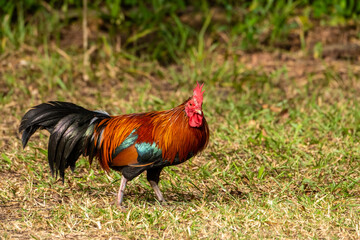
(153, 176)
(157, 191)
(120, 195)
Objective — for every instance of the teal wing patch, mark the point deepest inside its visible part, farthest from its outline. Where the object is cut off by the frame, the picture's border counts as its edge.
(148, 153)
(130, 140)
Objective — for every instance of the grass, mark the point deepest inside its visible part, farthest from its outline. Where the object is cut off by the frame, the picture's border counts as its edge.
(165, 30)
(283, 160)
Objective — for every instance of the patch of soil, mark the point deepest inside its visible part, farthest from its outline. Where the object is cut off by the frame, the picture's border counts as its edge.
(337, 42)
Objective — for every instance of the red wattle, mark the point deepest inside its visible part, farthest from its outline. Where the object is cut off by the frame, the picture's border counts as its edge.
(195, 120)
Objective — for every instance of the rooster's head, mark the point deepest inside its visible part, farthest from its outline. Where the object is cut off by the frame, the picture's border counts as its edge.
(193, 107)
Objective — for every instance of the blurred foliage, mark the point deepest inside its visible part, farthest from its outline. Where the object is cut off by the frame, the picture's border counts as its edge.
(164, 29)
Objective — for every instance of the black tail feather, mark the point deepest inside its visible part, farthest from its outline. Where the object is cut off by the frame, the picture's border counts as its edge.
(71, 130)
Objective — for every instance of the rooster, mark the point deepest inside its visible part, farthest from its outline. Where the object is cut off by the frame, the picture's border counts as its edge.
(130, 143)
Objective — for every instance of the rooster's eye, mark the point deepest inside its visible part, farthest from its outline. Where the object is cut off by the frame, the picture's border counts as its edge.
(191, 104)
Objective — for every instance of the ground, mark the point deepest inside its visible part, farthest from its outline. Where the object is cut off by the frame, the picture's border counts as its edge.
(283, 159)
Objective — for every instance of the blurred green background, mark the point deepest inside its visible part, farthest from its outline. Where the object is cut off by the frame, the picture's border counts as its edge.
(166, 30)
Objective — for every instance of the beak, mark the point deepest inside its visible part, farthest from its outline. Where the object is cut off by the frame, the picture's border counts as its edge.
(198, 111)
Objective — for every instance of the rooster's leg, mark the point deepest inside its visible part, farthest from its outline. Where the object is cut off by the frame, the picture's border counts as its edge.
(120, 195)
(153, 176)
(157, 191)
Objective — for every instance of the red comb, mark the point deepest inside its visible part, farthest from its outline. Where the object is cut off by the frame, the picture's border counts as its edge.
(197, 93)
